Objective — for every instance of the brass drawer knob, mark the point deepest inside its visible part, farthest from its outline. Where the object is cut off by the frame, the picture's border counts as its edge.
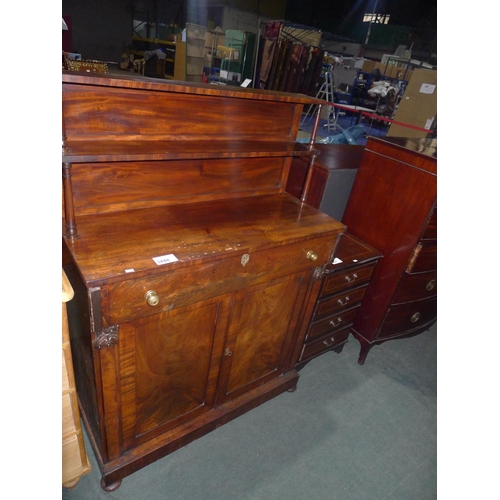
(431, 285)
(152, 298)
(312, 256)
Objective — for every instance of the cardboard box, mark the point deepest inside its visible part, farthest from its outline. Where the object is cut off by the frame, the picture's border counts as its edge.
(368, 66)
(418, 106)
(388, 71)
(209, 41)
(393, 71)
(380, 66)
(399, 73)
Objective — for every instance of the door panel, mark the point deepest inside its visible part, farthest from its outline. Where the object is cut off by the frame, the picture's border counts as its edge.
(262, 322)
(169, 367)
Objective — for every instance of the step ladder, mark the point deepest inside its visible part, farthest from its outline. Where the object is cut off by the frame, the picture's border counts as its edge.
(325, 93)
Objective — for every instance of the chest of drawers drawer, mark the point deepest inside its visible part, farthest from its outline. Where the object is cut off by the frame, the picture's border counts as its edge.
(416, 287)
(347, 279)
(339, 302)
(404, 318)
(332, 323)
(141, 297)
(430, 232)
(424, 258)
(327, 342)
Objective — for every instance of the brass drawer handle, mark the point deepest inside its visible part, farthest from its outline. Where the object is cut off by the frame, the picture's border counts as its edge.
(431, 285)
(343, 302)
(415, 317)
(312, 256)
(329, 342)
(152, 298)
(349, 279)
(336, 323)
(228, 352)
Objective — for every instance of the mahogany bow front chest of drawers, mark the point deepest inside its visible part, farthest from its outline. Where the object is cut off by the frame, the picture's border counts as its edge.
(392, 206)
(195, 274)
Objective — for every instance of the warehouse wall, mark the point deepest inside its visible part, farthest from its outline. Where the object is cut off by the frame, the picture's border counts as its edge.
(273, 9)
(236, 19)
(100, 29)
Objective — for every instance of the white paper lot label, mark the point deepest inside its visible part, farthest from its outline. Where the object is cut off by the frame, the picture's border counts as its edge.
(165, 259)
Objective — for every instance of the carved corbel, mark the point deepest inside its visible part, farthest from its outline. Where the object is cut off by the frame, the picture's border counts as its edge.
(319, 273)
(106, 337)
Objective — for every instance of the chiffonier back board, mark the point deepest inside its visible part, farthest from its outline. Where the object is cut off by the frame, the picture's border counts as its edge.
(195, 273)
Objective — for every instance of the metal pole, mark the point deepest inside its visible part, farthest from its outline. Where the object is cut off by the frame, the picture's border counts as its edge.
(256, 55)
(370, 24)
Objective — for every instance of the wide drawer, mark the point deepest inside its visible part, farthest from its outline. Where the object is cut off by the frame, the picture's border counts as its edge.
(323, 344)
(401, 319)
(332, 323)
(416, 287)
(339, 302)
(126, 300)
(342, 280)
(424, 258)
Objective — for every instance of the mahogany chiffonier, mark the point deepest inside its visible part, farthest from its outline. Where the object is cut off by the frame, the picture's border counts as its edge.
(75, 462)
(341, 295)
(392, 206)
(195, 274)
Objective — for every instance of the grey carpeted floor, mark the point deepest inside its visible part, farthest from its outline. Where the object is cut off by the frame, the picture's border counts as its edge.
(349, 432)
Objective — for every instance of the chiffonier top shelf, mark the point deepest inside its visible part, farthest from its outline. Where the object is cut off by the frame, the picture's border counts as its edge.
(111, 244)
(136, 119)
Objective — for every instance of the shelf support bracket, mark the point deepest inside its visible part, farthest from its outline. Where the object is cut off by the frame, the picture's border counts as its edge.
(307, 182)
(69, 209)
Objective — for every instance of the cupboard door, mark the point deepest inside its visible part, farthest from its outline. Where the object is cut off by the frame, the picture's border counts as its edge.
(260, 333)
(164, 372)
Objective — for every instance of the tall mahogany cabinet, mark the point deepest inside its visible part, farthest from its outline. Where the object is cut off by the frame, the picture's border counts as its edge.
(195, 274)
(392, 206)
